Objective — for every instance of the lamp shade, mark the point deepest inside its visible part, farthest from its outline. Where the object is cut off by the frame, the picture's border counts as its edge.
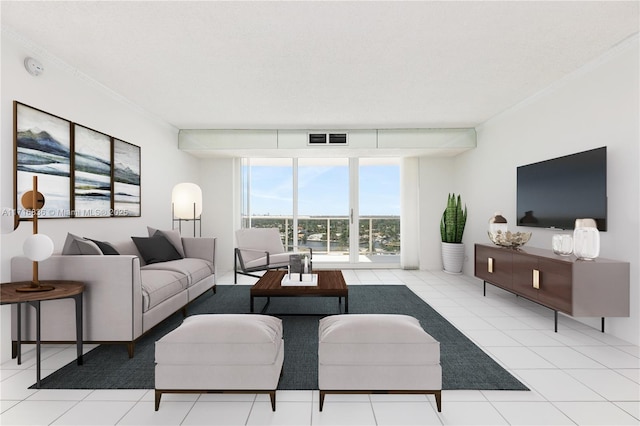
(183, 197)
(38, 247)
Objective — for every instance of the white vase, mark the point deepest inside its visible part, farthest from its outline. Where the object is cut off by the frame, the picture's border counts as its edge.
(452, 257)
(586, 239)
(562, 244)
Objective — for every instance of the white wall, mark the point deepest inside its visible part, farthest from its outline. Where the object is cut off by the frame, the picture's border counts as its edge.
(220, 201)
(437, 180)
(69, 95)
(594, 107)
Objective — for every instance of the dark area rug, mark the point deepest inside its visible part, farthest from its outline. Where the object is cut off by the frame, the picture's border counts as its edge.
(464, 365)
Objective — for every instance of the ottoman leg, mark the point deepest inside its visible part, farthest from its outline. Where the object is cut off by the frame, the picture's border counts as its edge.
(438, 395)
(272, 396)
(158, 396)
(321, 399)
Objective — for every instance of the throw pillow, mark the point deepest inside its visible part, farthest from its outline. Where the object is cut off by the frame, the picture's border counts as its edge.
(156, 249)
(74, 245)
(105, 247)
(172, 235)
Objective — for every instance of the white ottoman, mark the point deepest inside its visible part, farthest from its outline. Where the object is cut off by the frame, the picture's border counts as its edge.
(377, 354)
(220, 353)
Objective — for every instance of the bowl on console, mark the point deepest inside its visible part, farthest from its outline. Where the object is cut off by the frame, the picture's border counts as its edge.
(509, 239)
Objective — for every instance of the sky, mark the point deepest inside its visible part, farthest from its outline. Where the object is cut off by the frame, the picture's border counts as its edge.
(324, 190)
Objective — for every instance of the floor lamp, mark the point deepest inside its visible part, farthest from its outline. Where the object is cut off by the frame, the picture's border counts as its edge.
(186, 205)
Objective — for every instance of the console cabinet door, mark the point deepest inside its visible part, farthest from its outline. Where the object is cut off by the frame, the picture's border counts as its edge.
(556, 285)
(494, 265)
(525, 278)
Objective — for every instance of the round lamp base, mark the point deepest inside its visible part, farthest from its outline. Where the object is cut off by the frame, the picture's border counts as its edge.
(34, 288)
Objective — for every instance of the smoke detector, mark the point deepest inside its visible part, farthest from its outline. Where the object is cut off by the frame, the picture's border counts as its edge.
(33, 66)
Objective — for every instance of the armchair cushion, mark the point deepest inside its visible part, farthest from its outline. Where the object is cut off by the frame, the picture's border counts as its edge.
(254, 242)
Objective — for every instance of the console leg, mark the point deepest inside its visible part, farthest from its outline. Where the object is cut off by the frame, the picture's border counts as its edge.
(484, 288)
(602, 326)
(555, 320)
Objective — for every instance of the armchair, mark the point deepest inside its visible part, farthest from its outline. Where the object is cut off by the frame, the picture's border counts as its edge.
(259, 249)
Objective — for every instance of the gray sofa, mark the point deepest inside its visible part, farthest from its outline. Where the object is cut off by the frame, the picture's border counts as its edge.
(124, 297)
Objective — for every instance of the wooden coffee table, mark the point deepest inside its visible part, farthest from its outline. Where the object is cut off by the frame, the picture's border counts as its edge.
(330, 284)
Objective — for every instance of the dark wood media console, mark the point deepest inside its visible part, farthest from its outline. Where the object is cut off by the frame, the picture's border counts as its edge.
(580, 288)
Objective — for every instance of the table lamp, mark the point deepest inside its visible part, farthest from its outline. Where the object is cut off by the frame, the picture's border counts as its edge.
(36, 247)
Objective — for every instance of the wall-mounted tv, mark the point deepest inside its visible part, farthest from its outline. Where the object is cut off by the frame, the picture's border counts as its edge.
(554, 193)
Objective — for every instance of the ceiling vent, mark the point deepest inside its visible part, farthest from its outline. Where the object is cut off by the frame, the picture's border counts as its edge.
(327, 139)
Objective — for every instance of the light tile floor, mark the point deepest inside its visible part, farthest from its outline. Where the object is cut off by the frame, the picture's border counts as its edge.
(576, 376)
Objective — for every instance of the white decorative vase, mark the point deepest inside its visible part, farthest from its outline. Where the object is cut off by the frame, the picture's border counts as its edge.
(452, 257)
(586, 239)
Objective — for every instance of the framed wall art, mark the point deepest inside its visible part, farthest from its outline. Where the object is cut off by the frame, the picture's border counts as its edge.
(43, 148)
(92, 173)
(81, 172)
(126, 179)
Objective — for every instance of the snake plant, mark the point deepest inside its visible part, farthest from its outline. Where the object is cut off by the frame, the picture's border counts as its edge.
(453, 220)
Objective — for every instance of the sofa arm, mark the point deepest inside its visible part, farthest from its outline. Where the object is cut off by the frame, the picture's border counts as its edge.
(200, 248)
(112, 297)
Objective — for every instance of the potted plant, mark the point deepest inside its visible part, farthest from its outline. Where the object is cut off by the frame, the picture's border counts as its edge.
(452, 225)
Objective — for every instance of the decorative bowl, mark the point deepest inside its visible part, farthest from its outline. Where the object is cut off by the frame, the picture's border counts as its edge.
(509, 239)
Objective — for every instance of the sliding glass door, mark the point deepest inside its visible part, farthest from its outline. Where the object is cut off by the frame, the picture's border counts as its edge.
(379, 210)
(323, 207)
(346, 210)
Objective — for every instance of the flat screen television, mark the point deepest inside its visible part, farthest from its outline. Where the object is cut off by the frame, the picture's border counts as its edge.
(554, 193)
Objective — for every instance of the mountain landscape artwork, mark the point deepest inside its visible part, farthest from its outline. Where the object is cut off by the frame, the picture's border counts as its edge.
(92, 177)
(82, 173)
(126, 179)
(43, 145)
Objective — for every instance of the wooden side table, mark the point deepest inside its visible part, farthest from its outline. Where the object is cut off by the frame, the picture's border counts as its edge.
(62, 290)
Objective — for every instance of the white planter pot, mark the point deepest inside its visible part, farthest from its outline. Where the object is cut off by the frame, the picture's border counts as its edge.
(452, 257)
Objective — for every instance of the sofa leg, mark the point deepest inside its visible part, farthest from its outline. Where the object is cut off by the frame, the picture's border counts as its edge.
(130, 349)
(272, 396)
(158, 396)
(321, 399)
(438, 395)
(214, 289)
(184, 312)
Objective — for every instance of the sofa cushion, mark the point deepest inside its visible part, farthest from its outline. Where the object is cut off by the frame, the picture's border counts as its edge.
(158, 286)
(75, 245)
(172, 235)
(194, 269)
(105, 247)
(156, 249)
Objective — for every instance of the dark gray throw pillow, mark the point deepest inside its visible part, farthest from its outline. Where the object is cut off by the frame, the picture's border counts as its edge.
(105, 247)
(156, 249)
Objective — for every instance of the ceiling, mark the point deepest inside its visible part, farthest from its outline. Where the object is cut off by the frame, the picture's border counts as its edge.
(314, 65)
